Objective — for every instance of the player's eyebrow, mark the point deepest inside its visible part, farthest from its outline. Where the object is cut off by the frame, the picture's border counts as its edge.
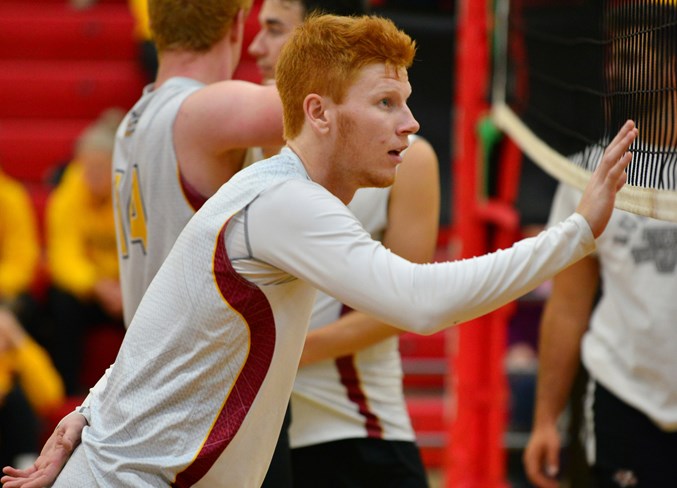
(273, 22)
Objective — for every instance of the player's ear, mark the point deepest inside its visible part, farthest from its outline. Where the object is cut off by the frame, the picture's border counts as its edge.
(316, 109)
(237, 27)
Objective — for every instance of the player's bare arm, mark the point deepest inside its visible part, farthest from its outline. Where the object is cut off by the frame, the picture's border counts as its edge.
(217, 123)
(565, 320)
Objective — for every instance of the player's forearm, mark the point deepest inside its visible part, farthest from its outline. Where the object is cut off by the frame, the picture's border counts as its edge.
(559, 360)
(556, 374)
(351, 333)
(480, 285)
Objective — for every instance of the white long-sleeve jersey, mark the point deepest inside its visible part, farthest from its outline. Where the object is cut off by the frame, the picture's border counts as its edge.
(199, 389)
(359, 395)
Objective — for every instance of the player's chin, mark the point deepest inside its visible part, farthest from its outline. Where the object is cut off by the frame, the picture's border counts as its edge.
(384, 179)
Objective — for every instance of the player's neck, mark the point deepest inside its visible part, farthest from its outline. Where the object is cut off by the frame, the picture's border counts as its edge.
(323, 168)
(209, 67)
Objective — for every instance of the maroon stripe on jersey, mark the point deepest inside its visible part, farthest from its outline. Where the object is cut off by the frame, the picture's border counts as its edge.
(195, 198)
(351, 380)
(248, 300)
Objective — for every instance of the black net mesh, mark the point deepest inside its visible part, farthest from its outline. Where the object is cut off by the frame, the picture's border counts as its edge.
(575, 70)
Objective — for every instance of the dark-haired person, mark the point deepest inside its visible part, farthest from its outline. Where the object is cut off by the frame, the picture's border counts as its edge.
(615, 310)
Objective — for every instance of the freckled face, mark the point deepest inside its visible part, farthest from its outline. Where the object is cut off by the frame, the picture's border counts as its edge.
(372, 126)
(277, 19)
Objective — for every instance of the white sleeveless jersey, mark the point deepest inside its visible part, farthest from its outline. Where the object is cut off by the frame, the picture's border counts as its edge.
(152, 202)
(200, 386)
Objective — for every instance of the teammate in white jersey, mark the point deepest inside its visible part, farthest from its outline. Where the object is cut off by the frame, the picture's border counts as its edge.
(350, 419)
(199, 389)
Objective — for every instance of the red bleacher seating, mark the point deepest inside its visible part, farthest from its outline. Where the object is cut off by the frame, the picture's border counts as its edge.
(59, 32)
(103, 343)
(59, 68)
(67, 89)
(31, 147)
(424, 362)
(427, 419)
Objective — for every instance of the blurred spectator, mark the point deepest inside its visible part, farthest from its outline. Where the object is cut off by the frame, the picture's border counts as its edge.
(19, 251)
(19, 245)
(81, 248)
(28, 381)
(29, 387)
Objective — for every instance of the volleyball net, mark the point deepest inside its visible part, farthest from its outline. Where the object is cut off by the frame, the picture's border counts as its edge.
(568, 73)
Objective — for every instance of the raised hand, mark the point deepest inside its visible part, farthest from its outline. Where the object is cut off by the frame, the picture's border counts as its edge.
(599, 196)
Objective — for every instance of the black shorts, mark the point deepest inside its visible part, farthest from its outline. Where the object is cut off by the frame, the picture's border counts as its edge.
(630, 450)
(359, 463)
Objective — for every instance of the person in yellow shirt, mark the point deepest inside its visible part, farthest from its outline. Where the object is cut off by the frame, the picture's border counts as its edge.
(30, 387)
(81, 248)
(19, 245)
(20, 254)
(28, 381)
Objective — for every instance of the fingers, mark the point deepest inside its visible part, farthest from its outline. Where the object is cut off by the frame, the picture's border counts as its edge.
(52, 458)
(21, 473)
(541, 478)
(536, 473)
(622, 148)
(551, 467)
(28, 478)
(39, 482)
(616, 154)
(541, 461)
(22, 478)
(627, 127)
(618, 173)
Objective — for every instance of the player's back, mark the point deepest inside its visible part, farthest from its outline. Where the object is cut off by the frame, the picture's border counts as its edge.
(153, 202)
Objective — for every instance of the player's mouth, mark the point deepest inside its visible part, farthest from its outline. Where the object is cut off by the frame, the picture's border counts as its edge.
(397, 153)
